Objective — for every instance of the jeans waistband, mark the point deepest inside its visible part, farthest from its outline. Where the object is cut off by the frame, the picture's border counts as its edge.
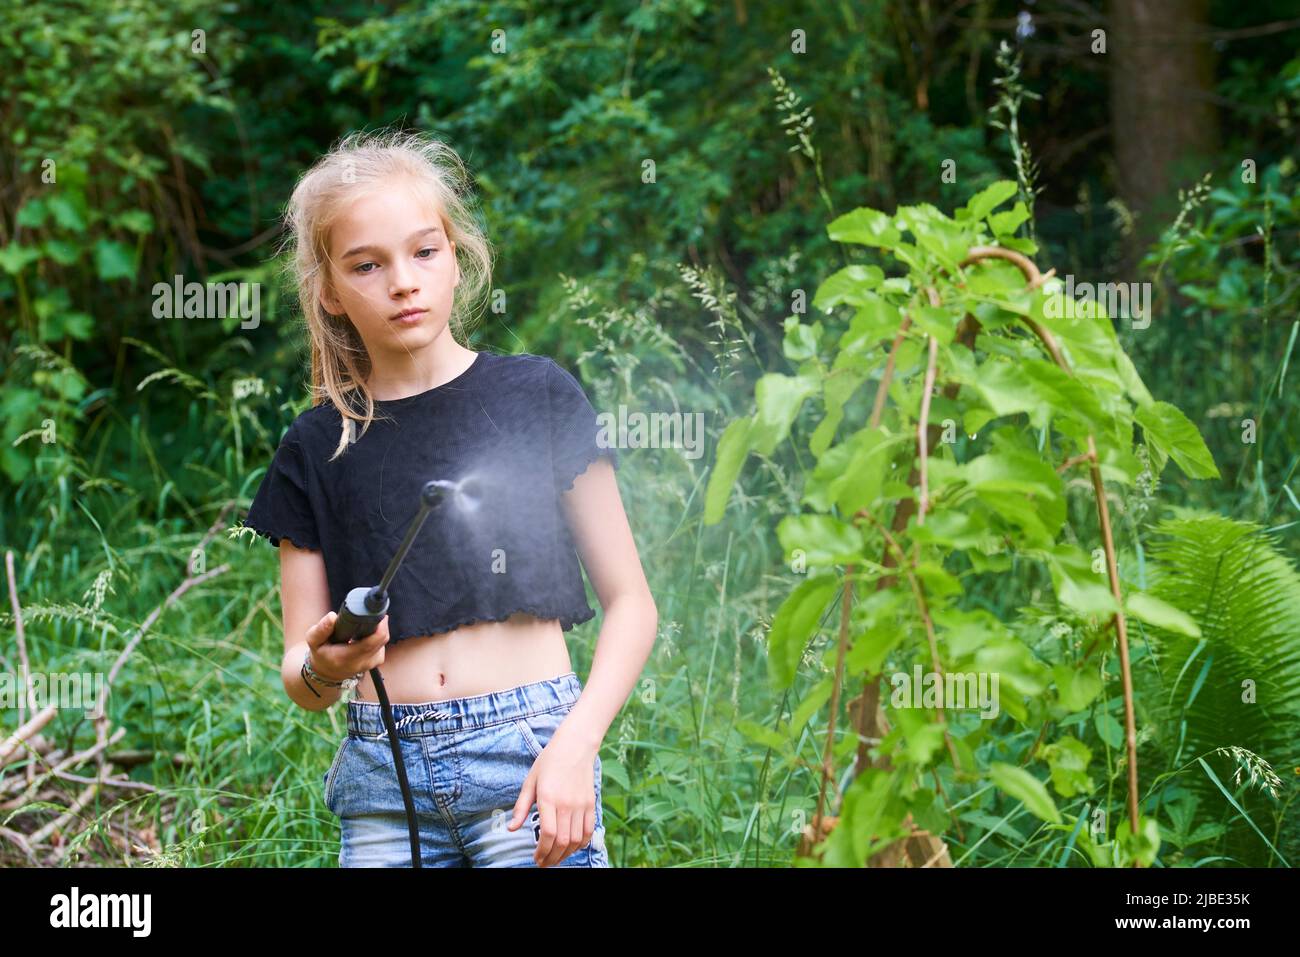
(416, 719)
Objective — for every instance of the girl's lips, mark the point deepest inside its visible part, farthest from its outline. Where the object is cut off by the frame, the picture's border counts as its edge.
(408, 318)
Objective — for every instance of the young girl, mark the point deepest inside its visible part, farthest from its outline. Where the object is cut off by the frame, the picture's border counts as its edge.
(499, 738)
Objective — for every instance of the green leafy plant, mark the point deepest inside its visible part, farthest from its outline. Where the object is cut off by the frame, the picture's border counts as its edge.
(993, 389)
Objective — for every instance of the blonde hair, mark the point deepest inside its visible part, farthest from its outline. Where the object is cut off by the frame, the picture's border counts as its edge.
(357, 164)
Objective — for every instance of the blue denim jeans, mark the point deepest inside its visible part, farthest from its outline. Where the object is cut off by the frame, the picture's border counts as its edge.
(466, 760)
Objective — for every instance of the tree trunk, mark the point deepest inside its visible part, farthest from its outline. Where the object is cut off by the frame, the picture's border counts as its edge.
(1163, 121)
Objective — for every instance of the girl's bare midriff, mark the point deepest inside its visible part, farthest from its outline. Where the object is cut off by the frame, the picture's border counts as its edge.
(479, 658)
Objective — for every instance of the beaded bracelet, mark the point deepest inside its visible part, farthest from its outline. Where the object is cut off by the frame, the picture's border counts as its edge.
(309, 675)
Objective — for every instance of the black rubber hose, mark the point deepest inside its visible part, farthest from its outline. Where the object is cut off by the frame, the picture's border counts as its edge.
(412, 828)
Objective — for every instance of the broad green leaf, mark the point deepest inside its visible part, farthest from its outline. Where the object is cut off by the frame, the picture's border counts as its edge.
(62, 252)
(937, 580)
(838, 387)
(1020, 487)
(1022, 786)
(113, 260)
(1174, 435)
(935, 233)
(1108, 729)
(997, 279)
(870, 227)
(964, 632)
(136, 220)
(779, 399)
(801, 341)
(1067, 395)
(922, 735)
(1076, 688)
(812, 702)
(1153, 611)
(1004, 387)
(1016, 666)
(1019, 244)
(976, 418)
(15, 258)
(32, 214)
(794, 624)
(763, 736)
(1009, 469)
(69, 210)
(1068, 758)
(989, 198)
(823, 539)
(859, 484)
(956, 528)
(850, 285)
(871, 816)
(1082, 594)
(876, 319)
(940, 323)
(1004, 224)
(1133, 384)
(1142, 847)
(832, 464)
(733, 449)
(867, 656)
(878, 627)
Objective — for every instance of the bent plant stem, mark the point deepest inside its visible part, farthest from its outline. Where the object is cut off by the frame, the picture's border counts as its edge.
(868, 716)
(882, 391)
(828, 767)
(1036, 279)
(921, 426)
(918, 591)
(846, 604)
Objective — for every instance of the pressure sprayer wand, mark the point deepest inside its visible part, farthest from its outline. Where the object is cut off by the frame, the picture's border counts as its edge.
(363, 609)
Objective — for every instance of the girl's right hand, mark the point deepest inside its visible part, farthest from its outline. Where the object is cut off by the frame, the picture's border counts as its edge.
(337, 662)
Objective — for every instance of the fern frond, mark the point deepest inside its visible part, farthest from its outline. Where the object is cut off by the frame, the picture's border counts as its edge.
(1245, 595)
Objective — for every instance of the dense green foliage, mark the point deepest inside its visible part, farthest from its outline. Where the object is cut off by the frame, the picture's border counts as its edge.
(993, 499)
(700, 214)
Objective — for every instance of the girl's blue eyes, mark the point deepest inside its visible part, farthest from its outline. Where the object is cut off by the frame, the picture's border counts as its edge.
(365, 272)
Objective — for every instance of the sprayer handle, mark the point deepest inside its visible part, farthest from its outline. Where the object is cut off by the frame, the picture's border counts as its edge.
(355, 619)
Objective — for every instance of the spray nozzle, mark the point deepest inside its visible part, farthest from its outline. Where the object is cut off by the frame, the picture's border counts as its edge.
(465, 494)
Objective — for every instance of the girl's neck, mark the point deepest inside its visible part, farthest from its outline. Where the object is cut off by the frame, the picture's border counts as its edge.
(420, 373)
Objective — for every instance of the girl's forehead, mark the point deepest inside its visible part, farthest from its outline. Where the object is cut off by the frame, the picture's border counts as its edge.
(383, 214)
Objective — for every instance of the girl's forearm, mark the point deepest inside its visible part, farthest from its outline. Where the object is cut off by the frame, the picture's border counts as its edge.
(311, 697)
(627, 635)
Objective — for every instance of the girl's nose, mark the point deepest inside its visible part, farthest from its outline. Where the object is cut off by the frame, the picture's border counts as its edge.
(402, 280)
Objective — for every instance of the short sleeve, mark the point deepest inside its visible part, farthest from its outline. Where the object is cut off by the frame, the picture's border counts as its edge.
(577, 438)
(282, 508)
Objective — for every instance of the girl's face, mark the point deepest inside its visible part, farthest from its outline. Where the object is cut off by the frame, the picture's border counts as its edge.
(392, 270)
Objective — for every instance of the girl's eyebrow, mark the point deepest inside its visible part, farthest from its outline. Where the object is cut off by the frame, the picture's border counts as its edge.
(374, 249)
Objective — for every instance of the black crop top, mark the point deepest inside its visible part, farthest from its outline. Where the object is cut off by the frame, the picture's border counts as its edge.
(521, 425)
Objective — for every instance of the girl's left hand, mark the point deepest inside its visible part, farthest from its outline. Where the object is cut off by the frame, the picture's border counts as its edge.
(562, 782)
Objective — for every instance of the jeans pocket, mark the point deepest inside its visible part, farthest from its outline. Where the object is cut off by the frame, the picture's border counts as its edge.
(332, 775)
(537, 729)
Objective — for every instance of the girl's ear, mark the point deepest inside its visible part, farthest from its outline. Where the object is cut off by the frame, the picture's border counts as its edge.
(329, 301)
